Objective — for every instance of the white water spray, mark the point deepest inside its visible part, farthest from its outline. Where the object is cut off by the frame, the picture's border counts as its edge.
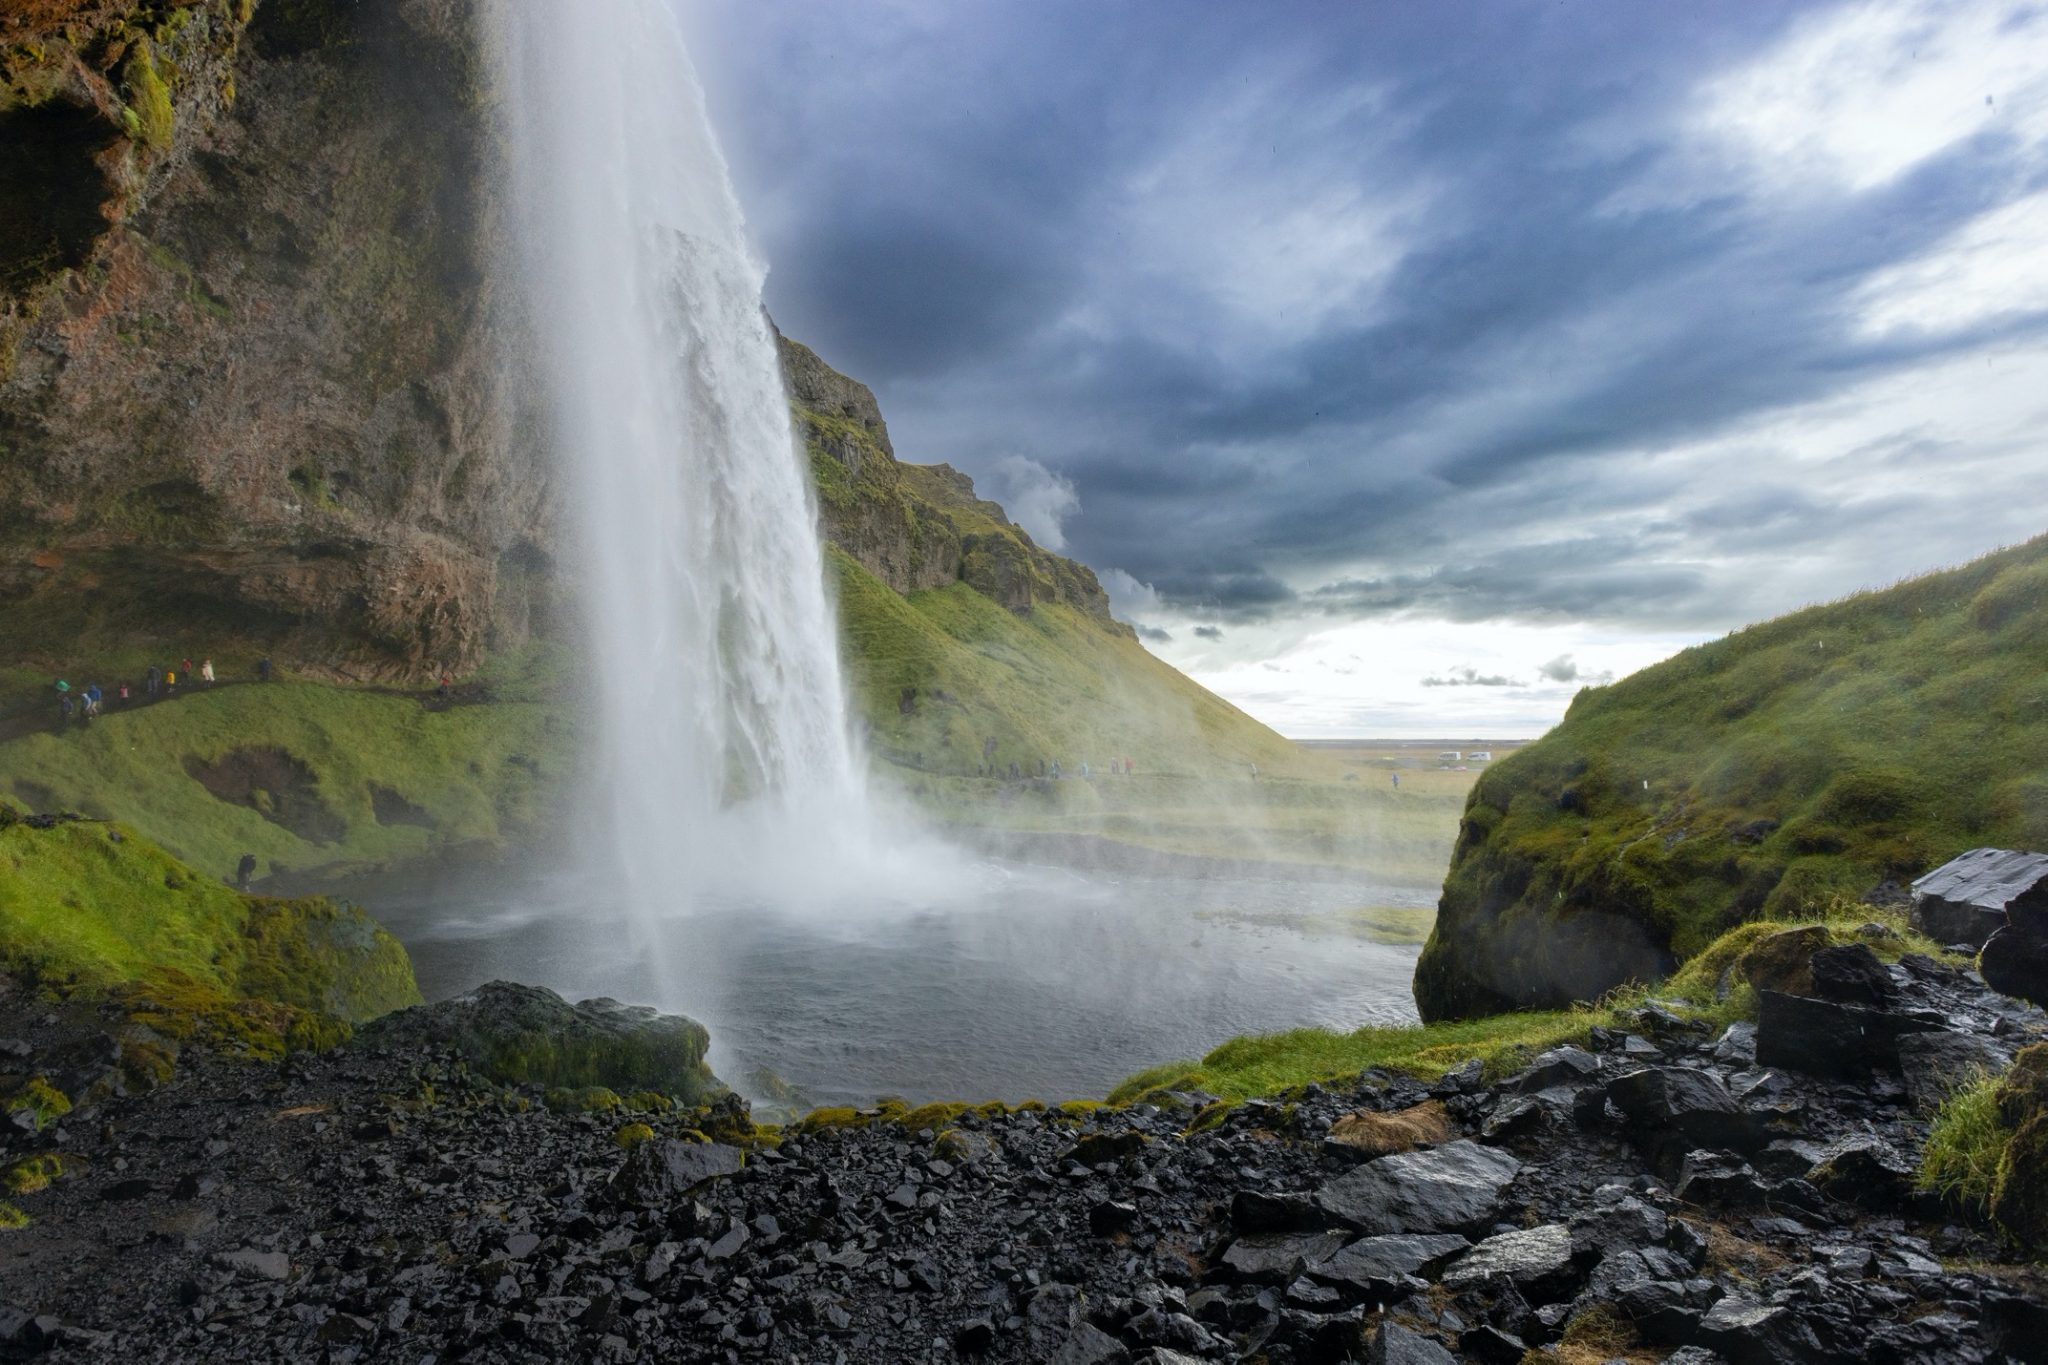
(724, 757)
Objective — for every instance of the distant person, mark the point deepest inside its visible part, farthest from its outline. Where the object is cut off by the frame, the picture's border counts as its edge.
(64, 709)
(1085, 774)
(93, 696)
(206, 672)
(1255, 772)
(124, 694)
(152, 680)
(1397, 781)
(1128, 769)
(263, 669)
(244, 870)
(170, 681)
(447, 685)
(1016, 773)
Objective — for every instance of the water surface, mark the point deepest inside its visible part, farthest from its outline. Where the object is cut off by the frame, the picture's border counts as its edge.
(1029, 981)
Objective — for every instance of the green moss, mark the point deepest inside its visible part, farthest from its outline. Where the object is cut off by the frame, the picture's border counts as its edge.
(40, 1102)
(149, 115)
(476, 774)
(34, 1174)
(632, 1134)
(12, 1219)
(96, 908)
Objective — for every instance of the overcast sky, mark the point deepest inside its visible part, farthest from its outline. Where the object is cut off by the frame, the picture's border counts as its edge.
(1403, 367)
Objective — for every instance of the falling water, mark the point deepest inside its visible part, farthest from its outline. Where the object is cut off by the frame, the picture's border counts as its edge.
(723, 747)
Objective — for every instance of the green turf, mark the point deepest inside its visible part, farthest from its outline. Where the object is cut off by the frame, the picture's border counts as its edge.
(90, 906)
(474, 773)
(1825, 751)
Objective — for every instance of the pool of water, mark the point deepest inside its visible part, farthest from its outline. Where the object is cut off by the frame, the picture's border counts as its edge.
(1019, 981)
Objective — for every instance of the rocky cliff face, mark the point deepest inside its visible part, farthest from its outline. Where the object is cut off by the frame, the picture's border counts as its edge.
(250, 369)
(258, 372)
(917, 526)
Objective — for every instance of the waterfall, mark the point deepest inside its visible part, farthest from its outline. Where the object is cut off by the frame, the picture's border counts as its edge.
(714, 687)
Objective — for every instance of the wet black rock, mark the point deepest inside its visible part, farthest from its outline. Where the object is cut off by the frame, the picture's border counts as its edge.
(1382, 1267)
(1453, 1188)
(1851, 974)
(1533, 1259)
(661, 1171)
(1828, 1038)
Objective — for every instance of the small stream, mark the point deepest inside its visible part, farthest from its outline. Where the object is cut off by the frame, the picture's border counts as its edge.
(1033, 981)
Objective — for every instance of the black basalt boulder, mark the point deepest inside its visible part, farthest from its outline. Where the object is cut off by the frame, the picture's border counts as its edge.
(1453, 1188)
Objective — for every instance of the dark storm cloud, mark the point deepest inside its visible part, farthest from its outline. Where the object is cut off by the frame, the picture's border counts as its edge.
(1153, 633)
(1209, 632)
(1062, 231)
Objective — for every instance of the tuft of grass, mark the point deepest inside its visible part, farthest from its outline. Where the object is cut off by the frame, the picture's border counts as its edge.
(1810, 756)
(1965, 1151)
(149, 116)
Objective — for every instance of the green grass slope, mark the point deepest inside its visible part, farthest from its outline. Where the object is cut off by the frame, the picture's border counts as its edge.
(938, 674)
(93, 907)
(303, 775)
(1822, 752)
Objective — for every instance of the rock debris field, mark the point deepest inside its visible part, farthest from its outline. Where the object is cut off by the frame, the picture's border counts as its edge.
(1669, 1193)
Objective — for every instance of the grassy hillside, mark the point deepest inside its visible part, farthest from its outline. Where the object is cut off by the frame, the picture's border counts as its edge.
(940, 673)
(1822, 752)
(303, 775)
(96, 907)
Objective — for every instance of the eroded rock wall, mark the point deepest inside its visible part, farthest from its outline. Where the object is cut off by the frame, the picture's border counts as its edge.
(260, 380)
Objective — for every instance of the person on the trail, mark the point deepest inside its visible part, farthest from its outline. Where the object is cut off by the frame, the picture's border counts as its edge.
(1085, 774)
(263, 669)
(1127, 767)
(152, 680)
(206, 672)
(185, 667)
(1255, 772)
(446, 684)
(124, 694)
(170, 680)
(244, 870)
(92, 699)
(63, 708)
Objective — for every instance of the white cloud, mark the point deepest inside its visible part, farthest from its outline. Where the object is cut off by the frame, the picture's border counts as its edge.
(1129, 599)
(1996, 265)
(1037, 499)
(1861, 93)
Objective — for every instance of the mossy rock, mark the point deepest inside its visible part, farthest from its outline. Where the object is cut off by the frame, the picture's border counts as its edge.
(2019, 1204)
(1784, 961)
(40, 1102)
(12, 1219)
(632, 1134)
(524, 1035)
(2023, 1090)
(34, 1174)
(593, 1099)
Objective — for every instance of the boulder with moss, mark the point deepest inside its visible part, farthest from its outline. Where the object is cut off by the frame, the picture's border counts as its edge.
(527, 1035)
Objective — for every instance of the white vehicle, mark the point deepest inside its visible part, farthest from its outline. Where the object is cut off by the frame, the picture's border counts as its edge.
(1448, 757)
(1480, 756)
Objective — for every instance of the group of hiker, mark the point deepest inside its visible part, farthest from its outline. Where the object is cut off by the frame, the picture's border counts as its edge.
(91, 701)
(1047, 768)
